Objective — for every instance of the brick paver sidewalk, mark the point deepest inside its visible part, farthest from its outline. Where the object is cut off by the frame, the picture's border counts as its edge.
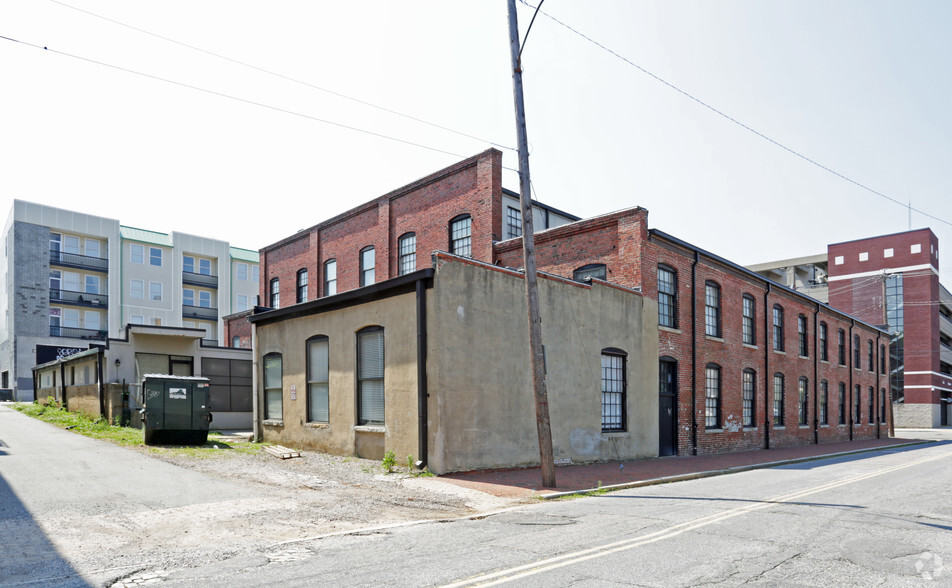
(528, 481)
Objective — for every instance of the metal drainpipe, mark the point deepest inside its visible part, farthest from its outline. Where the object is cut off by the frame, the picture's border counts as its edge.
(767, 344)
(816, 376)
(102, 391)
(255, 387)
(850, 364)
(697, 258)
(422, 394)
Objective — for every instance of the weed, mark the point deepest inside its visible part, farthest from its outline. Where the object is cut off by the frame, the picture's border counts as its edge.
(389, 461)
(410, 463)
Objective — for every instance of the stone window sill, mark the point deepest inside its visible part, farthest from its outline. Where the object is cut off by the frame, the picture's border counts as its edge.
(273, 422)
(370, 428)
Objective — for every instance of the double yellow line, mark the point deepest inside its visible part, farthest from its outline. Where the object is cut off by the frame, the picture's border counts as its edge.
(567, 559)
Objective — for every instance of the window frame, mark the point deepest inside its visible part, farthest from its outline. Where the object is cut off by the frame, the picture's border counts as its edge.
(841, 347)
(842, 403)
(136, 253)
(871, 402)
(152, 290)
(406, 253)
(615, 420)
(803, 344)
(301, 285)
(274, 293)
(748, 398)
(748, 320)
(778, 343)
(803, 401)
(823, 405)
(461, 240)
(857, 352)
(712, 309)
(824, 343)
(361, 379)
(589, 271)
(272, 390)
(312, 381)
(779, 400)
(155, 255)
(513, 222)
(667, 301)
(858, 404)
(870, 353)
(330, 284)
(712, 397)
(368, 275)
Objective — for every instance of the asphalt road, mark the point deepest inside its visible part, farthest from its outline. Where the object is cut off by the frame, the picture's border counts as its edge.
(881, 518)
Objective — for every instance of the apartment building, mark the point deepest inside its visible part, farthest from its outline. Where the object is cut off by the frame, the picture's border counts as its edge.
(892, 281)
(72, 280)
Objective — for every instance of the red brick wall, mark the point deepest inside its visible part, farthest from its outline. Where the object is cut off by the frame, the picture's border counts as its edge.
(237, 325)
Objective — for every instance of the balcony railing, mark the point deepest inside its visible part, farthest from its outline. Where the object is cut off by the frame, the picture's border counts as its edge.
(210, 342)
(204, 280)
(77, 333)
(79, 298)
(99, 264)
(199, 312)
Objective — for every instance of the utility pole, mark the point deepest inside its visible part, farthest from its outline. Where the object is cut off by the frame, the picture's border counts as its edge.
(546, 458)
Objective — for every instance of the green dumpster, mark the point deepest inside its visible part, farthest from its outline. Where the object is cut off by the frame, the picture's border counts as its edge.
(175, 409)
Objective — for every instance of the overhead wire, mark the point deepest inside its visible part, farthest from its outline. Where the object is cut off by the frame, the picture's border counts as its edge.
(283, 76)
(734, 120)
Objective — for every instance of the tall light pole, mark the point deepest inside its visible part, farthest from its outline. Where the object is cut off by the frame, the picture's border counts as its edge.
(546, 458)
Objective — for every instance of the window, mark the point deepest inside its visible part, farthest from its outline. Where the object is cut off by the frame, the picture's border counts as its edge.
(302, 285)
(802, 401)
(778, 327)
(856, 352)
(367, 263)
(188, 264)
(870, 362)
(317, 377)
(748, 320)
(882, 405)
(872, 400)
(71, 318)
(273, 389)
(155, 291)
(136, 253)
(841, 346)
(205, 267)
(842, 403)
(667, 297)
(712, 309)
(156, 321)
(275, 293)
(406, 248)
(92, 248)
(137, 319)
(461, 241)
(882, 360)
(254, 273)
(55, 321)
(92, 285)
(513, 222)
(824, 349)
(56, 245)
(91, 320)
(55, 283)
(155, 256)
(205, 299)
(71, 281)
(857, 404)
(778, 400)
(749, 395)
(241, 302)
(188, 297)
(370, 370)
(592, 270)
(802, 336)
(614, 386)
(236, 341)
(330, 277)
(824, 402)
(241, 270)
(712, 396)
(70, 244)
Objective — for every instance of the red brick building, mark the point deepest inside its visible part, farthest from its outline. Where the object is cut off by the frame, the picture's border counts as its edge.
(745, 362)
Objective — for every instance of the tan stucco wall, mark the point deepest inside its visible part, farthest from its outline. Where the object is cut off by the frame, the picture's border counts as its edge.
(482, 412)
(397, 315)
(84, 399)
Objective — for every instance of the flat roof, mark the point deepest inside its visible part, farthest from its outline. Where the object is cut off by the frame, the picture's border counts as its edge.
(145, 236)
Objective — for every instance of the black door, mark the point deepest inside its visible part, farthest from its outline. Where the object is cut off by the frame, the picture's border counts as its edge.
(944, 412)
(668, 408)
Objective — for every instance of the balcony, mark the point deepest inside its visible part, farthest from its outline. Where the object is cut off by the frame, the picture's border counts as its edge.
(79, 298)
(74, 260)
(209, 342)
(77, 333)
(945, 324)
(199, 312)
(203, 280)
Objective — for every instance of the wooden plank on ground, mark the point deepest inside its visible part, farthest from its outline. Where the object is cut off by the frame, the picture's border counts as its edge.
(281, 451)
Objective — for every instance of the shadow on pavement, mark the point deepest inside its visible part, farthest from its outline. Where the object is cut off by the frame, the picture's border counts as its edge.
(27, 557)
(823, 461)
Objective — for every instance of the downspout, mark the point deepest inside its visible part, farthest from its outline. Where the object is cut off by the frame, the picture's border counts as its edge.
(255, 387)
(767, 344)
(422, 394)
(102, 392)
(697, 258)
(852, 353)
(816, 376)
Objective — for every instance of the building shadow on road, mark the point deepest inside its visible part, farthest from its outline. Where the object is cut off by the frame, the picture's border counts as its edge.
(826, 461)
(27, 557)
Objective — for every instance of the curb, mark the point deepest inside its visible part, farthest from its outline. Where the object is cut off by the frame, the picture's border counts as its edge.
(721, 472)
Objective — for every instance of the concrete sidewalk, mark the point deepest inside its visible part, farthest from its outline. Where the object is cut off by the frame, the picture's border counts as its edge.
(573, 479)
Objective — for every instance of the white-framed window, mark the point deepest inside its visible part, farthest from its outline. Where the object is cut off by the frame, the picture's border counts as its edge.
(137, 319)
(188, 264)
(317, 380)
(330, 277)
(155, 256)
(92, 248)
(712, 396)
(406, 247)
(236, 341)
(614, 389)
(56, 283)
(188, 297)
(275, 293)
(71, 282)
(205, 267)
(92, 284)
(137, 289)
(71, 318)
(91, 320)
(136, 253)
(254, 273)
(367, 266)
(712, 309)
(241, 302)
(70, 244)
(204, 299)
(461, 242)
(273, 390)
(241, 270)
(155, 290)
(370, 376)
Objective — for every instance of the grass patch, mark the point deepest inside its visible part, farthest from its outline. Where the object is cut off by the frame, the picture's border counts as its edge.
(78, 422)
(212, 449)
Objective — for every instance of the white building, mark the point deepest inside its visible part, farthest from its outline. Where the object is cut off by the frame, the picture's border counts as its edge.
(71, 280)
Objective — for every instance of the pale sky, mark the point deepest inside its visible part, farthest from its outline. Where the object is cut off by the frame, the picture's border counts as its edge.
(861, 87)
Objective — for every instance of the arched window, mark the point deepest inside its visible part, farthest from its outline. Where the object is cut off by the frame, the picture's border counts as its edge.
(592, 270)
(778, 327)
(824, 346)
(668, 376)
(370, 376)
(273, 387)
(302, 285)
(712, 309)
(857, 404)
(614, 389)
(803, 348)
(318, 409)
(461, 235)
(749, 397)
(367, 266)
(824, 402)
(841, 346)
(856, 353)
(778, 400)
(748, 320)
(842, 403)
(406, 253)
(712, 396)
(275, 293)
(803, 401)
(667, 297)
(330, 277)
(870, 362)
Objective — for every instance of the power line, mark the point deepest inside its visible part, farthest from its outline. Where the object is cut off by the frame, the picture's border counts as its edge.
(238, 99)
(735, 121)
(284, 77)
